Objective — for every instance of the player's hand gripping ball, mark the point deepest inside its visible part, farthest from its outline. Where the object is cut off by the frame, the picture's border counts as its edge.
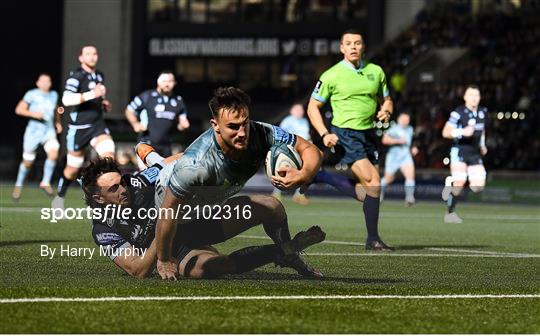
(279, 156)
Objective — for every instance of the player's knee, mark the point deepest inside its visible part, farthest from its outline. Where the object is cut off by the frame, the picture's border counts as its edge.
(28, 159)
(74, 163)
(52, 155)
(477, 186)
(105, 148)
(51, 147)
(271, 207)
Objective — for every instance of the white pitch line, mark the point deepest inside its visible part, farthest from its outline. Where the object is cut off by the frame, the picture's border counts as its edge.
(269, 297)
(484, 252)
(330, 254)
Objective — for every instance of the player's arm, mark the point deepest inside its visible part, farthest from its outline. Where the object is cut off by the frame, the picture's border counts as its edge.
(165, 231)
(316, 119)
(183, 121)
(72, 96)
(290, 178)
(387, 140)
(58, 111)
(451, 131)
(311, 159)
(133, 120)
(387, 108)
(483, 147)
(138, 266)
(22, 110)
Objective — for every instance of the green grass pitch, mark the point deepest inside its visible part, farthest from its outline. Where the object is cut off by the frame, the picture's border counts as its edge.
(495, 251)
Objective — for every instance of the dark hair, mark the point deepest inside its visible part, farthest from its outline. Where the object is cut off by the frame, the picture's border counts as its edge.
(472, 86)
(165, 72)
(228, 98)
(87, 46)
(90, 174)
(44, 74)
(351, 31)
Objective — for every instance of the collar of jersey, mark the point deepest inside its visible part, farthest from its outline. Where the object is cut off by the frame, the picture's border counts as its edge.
(351, 67)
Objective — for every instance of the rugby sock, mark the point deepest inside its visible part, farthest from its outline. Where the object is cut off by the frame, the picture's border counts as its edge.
(63, 186)
(371, 214)
(409, 188)
(278, 231)
(452, 201)
(340, 182)
(48, 170)
(152, 158)
(21, 175)
(249, 258)
(383, 186)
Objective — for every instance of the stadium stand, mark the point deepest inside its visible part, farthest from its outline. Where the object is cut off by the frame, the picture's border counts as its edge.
(508, 79)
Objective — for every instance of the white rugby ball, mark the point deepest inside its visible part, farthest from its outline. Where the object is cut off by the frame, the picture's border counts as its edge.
(281, 155)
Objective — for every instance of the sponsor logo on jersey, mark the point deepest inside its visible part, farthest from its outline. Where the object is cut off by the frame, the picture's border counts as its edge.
(107, 237)
(165, 115)
(135, 182)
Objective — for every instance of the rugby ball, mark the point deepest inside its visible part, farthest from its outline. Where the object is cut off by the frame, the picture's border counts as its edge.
(281, 155)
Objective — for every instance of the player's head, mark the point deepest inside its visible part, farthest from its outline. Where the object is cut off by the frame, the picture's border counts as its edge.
(472, 96)
(403, 119)
(297, 111)
(166, 82)
(352, 45)
(102, 183)
(44, 82)
(230, 116)
(88, 56)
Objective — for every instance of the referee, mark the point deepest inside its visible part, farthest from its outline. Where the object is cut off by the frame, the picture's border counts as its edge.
(354, 88)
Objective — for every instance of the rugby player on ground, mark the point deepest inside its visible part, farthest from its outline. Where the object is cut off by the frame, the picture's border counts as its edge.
(213, 169)
(104, 185)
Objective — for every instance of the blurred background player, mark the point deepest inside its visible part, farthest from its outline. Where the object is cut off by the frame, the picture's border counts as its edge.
(39, 105)
(354, 87)
(295, 123)
(466, 127)
(153, 113)
(84, 94)
(399, 137)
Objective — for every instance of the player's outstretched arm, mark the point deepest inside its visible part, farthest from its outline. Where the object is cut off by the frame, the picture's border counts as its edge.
(138, 266)
(165, 231)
